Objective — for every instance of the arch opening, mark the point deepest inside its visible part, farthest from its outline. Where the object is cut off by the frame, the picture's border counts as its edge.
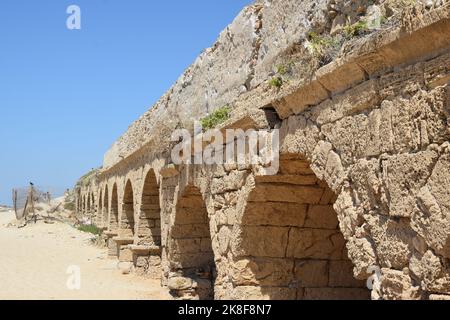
(88, 205)
(190, 248)
(98, 214)
(149, 229)
(290, 246)
(114, 210)
(127, 219)
(92, 206)
(105, 208)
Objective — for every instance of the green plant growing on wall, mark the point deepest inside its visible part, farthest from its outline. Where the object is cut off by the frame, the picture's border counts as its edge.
(356, 29)
(283, 69)
(318, 44)
(217, 117)
(276, 82)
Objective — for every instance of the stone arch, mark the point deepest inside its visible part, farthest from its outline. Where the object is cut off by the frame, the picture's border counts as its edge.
(88, 204)
(98, 214)
(288, 244)
(127, 227)
(114, 210)
(105, 207)
(190, 248)
(93, 205)
(149, 228)
(83, 204)
(78, 200)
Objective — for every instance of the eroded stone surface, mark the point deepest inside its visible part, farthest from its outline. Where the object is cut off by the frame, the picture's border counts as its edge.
(364, 179)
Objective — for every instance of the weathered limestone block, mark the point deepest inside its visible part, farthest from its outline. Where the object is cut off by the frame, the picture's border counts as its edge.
(348, 136)
(259, 241)
(335, 294)
(246, 293)
(368, 187)
(189, 260)
(321, 217)
(189, 216)
(341, 275)
(362, 254)
(231, 182)
(358, 99)
(343, 76)
(262, 272)
(400, 125)
(180, 283)
(404, 175)
(112, 248)
(186, 245)
(295, 168)
(396, 285)
(434, 274)
(350, 217)
(125, 254)
(437, 71)
(436, 297)
(189, 231)
(431, 217)
(402, 82)
(298, 135)
(275, 214)
(393, 240)
(319, 158)
(311, 273)
(310, 94)
(223, 240)
(315, 244)
(286, 193)
(304, 180)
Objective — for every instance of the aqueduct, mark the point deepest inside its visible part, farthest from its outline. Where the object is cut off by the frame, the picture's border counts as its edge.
(364, 176)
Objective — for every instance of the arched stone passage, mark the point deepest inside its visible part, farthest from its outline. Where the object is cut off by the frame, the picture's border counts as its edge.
(92, 210)
(190, 250)
(127, 218)
(149, 229)
(105, 208)
(114, 211)
(88, 204)
(98, 214)
(288, 244)
(82, 204)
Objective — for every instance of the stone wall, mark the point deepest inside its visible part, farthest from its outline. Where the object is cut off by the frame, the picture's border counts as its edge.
(364, 171)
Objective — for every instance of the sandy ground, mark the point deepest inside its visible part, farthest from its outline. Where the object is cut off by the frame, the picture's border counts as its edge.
(34, 262)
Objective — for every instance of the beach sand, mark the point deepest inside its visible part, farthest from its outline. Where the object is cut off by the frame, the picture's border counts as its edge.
(34, 262)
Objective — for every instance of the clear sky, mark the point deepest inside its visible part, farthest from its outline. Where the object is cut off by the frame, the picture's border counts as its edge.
(66, 95)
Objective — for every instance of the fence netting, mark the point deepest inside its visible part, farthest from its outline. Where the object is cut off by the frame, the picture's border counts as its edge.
(25, 199)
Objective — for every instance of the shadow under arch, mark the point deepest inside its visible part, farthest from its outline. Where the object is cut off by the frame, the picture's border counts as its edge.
(127, 218)
(290, 246)
(114, 210)
(105, 207)
(149, 227)
(88, 204)
(190, 248)
(99, 213)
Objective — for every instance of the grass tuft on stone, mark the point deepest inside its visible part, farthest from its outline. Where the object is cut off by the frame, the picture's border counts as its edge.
(276, 82)
(357, 29)
(217, 117)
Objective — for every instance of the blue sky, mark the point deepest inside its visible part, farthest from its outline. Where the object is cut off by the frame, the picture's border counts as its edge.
(66, 95)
